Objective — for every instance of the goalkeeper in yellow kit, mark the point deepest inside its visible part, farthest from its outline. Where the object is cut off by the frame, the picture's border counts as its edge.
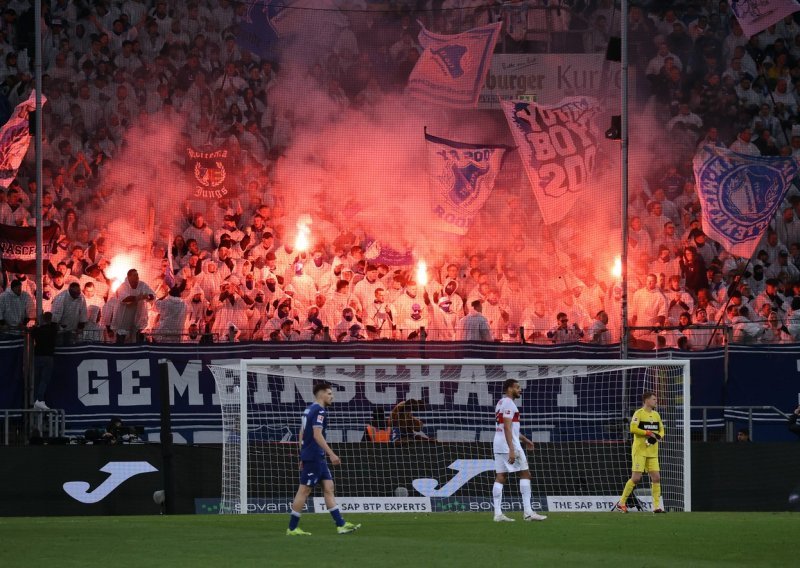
(647, 429)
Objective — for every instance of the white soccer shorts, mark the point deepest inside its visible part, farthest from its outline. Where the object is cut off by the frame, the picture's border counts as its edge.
(501, 464)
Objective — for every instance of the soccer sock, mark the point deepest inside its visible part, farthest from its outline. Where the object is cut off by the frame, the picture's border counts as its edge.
(294, 520)
(655, 486)
(337, 516)
(525, 489)
(629, 487)
(497, 497)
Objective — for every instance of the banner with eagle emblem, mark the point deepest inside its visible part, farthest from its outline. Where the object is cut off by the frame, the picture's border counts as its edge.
(739, 195)
(208, 173)
(461, 178)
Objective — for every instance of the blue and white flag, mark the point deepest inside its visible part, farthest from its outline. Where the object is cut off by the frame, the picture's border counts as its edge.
(452, 68)
(461, 177)
(377, 252)
(739, 195)
(15, 138)
(757, 15)
(257, 31)
(558, 145)
(268, 26)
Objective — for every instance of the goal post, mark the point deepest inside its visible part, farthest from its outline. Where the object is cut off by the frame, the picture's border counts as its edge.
(435, 454)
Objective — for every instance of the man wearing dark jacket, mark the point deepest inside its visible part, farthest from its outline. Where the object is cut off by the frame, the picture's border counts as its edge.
(44, 345)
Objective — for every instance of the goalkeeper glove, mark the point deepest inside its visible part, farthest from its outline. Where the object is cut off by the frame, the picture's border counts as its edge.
(652, 437)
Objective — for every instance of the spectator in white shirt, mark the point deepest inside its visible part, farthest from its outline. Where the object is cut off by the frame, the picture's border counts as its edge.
(69, 312)
(781, 94)
(16, 307)
(171, 320)
(443, 320)
(130, 312)
(536, 320)
(685, 116)
(657, 62)
(742, 144)
(747, 97)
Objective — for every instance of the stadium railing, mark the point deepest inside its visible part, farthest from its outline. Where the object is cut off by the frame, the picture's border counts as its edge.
(50, 423)
(727, 417)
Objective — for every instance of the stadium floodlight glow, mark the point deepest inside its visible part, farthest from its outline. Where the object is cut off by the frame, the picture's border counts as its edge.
(577, 411)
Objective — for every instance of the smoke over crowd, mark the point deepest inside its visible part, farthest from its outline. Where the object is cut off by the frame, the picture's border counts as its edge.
(321, 142)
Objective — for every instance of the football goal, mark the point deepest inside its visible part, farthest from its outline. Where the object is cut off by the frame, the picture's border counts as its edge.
(416, 434)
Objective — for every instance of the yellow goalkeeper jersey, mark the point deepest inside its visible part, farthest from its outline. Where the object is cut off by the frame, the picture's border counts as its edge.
(642, 421)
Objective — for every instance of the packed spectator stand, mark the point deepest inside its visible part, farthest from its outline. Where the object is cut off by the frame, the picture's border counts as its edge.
(231, 270)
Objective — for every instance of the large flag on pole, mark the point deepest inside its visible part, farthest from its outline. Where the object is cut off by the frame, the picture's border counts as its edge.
(15, 137)
(18, 247)
(558, 145)
(757, 15)
(452, 68)
(461, 178)
(739, 195)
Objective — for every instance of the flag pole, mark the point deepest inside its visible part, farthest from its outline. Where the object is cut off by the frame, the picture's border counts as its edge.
(624, 204)
(37, 26)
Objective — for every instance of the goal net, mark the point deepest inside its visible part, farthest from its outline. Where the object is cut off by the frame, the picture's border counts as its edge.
(433, 452)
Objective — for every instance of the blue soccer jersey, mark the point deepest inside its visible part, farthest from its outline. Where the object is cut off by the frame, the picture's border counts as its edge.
(314, 417)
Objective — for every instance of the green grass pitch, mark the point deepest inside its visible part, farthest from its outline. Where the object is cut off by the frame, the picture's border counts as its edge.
(411, 541)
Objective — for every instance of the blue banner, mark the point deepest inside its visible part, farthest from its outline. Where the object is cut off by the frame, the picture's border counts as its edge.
(93, 383)
(257, 32)
(739, 195)
(452, 68)
(461, 178)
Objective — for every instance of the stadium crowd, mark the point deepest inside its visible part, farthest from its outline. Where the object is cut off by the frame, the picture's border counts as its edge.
(235, 275)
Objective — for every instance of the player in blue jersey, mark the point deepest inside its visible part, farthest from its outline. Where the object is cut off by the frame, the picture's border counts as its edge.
(314, 468)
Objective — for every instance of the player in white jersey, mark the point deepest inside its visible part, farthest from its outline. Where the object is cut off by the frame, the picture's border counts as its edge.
(509, 455)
